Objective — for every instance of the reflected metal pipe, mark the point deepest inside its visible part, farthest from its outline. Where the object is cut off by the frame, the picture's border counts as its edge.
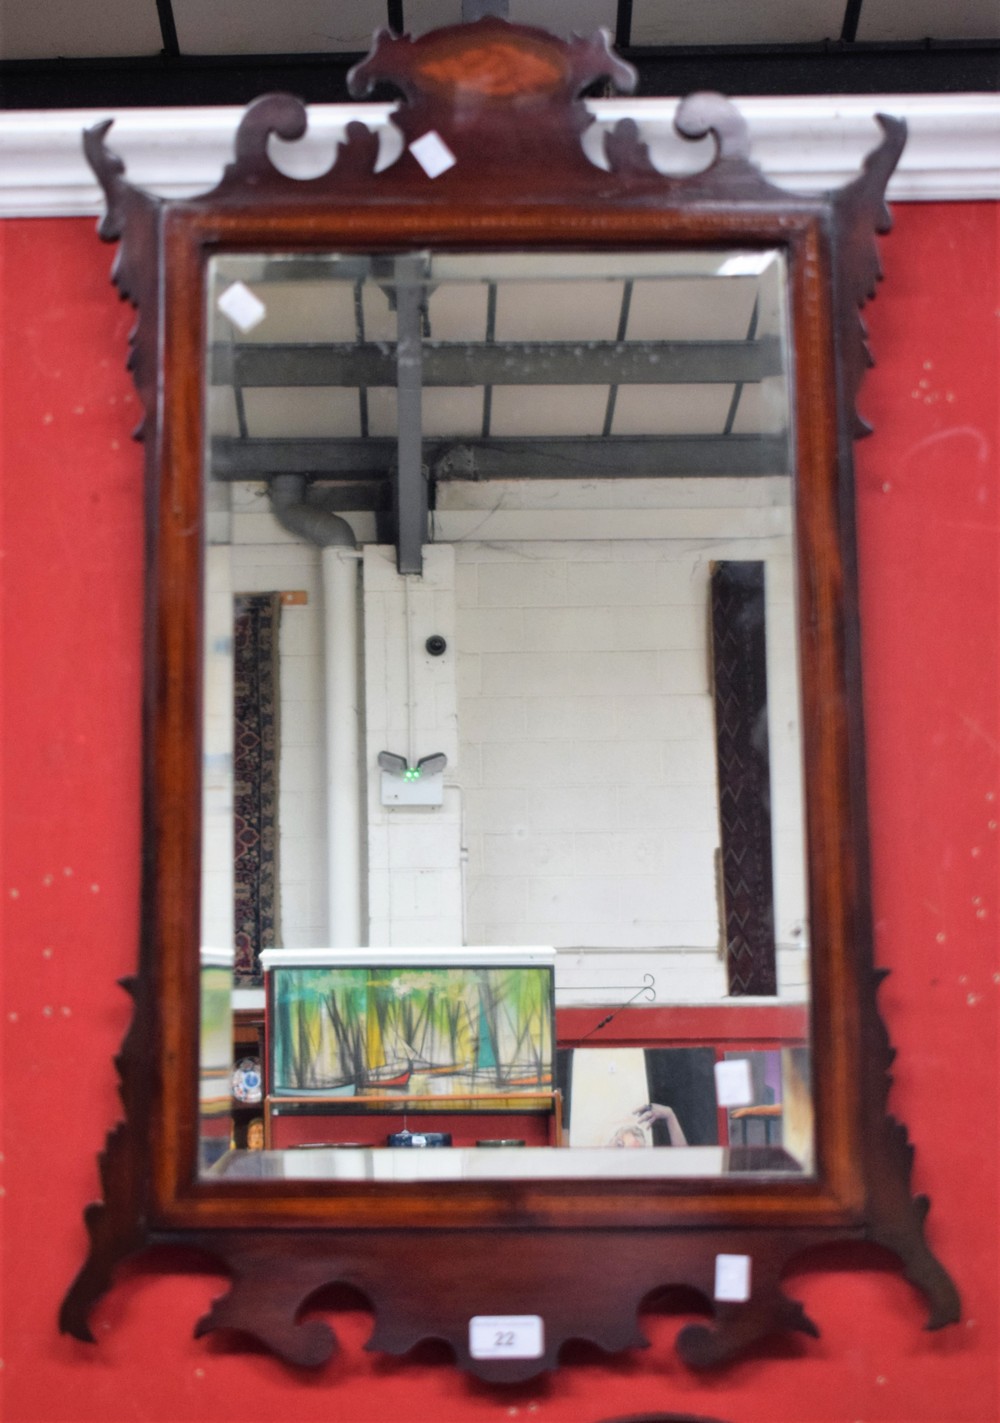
(307, 521)
(338, 564)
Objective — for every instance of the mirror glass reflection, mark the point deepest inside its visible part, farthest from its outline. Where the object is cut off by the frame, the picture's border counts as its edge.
(503, 866)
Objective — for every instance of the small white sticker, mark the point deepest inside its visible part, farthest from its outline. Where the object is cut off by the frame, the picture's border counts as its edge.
(506, 1336)
(733, 1087)
(732, 1277)
(241, 306)
(433, 154)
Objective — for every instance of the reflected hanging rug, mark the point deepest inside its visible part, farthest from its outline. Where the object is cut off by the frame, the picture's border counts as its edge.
(255, 779)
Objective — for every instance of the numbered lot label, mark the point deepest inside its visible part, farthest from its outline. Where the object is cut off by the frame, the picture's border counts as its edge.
(506, 1336)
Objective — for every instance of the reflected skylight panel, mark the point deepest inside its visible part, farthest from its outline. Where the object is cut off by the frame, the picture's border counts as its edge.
(382, 411)
(377, 313)
(301, 313)
(539, 311)
(700, 310)
(457, 311)
(452, 412)
(537, 410)
(302, 412)
(762, 408)
(221, 413)
(446, 412)
(671, 409)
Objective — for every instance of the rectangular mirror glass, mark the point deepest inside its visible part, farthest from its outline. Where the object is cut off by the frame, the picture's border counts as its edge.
(503, 853)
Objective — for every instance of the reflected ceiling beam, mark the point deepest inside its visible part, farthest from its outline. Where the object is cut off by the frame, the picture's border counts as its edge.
(852, 18)
(168, 28)
(623, 314)
(623, 24)
(624, 456)
(629, 457)
(504, 363)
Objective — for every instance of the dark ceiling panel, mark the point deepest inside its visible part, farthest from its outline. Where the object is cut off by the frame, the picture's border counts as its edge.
(835, 67)
(832, 68)
(163, 81)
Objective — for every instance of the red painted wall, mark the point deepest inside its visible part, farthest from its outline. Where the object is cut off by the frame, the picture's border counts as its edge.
(928, 484)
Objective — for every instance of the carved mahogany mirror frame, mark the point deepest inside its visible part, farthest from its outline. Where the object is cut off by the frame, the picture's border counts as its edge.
(580, 1254)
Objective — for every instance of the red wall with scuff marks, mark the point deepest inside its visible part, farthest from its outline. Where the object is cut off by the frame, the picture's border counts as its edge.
(927, 503)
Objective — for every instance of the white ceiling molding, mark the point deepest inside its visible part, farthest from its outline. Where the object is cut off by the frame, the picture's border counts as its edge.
(804, 144)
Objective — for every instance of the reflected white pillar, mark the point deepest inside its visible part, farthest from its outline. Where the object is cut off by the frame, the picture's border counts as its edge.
(343, 772)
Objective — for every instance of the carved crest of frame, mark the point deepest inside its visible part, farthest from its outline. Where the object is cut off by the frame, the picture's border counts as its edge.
(506, 103)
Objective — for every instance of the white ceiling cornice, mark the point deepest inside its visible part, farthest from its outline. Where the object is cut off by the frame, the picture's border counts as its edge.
(804, 144)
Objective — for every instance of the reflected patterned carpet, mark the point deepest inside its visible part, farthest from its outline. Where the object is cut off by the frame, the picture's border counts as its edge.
(255, 780)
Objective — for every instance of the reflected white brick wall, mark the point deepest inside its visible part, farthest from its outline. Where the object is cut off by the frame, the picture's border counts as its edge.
(587, 724)
(414, 852)
(574, 706)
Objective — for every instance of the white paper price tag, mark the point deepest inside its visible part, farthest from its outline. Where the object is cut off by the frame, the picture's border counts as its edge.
(433, 154)
(732, 1277)
(243, 308)
(506, 1336)
(733, 1087)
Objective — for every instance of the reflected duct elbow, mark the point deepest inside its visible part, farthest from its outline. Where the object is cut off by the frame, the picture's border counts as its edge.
(307, 521)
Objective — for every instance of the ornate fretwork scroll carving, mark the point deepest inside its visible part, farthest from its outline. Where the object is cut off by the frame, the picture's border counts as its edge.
(861, 212)
(500, 96)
